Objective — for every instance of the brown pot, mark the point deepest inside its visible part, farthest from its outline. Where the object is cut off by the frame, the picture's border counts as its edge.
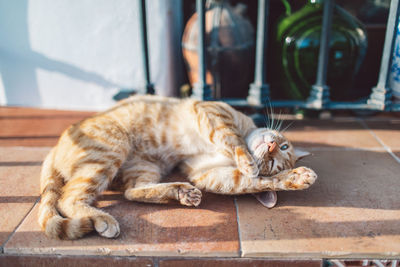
(229, 49)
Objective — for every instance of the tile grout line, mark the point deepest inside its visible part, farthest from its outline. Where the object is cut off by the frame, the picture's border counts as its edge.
(19, 224)
(362, 122)
(238, 224)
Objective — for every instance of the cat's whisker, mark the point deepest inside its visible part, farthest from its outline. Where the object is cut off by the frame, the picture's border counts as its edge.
(268, 120)
(280, 121)
(287, 127)
(270, 114)
(273, 119)
(279, 126)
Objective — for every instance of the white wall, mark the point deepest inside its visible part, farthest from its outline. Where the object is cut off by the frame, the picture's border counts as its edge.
(77, 54)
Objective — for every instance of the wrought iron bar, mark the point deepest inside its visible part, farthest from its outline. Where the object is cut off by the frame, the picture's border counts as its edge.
(148, 87)
(201, 90)
(319, 95)
(259, 90)
(380, 97)
(242, 103)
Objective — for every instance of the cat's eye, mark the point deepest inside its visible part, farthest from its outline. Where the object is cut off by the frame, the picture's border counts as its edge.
(284, 147)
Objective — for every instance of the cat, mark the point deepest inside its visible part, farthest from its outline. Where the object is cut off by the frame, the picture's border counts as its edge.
(140, 140)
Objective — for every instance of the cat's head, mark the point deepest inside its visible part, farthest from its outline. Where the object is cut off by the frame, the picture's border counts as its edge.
(272, 151)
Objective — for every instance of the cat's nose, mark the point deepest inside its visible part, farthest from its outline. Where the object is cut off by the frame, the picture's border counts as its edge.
(271, 146)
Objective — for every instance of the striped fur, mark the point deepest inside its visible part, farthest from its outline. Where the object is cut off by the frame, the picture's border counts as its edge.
(141, 139)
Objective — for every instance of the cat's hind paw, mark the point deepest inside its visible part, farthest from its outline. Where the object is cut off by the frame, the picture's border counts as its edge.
(300, 178)
(106, 226)
(189, 196)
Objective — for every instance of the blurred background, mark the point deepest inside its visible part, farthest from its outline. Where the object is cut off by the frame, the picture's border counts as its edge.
(70, 54)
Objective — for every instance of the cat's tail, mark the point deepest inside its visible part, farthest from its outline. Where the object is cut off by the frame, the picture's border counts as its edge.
(55, 226)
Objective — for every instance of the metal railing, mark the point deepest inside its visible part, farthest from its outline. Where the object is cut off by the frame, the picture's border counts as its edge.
(259, 91)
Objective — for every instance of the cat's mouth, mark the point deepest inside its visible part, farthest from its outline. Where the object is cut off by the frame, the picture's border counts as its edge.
(264, 145)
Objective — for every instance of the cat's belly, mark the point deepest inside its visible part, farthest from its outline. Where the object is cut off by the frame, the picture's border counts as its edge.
(165, 158)
(167, 152)
(168, 157)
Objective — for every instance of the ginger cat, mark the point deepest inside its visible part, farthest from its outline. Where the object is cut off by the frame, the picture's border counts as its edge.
(142, 139)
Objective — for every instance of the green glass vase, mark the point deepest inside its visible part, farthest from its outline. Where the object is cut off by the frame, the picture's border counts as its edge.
(298, 41)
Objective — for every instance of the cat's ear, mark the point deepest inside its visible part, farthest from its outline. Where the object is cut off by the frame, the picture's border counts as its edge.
(300, 154)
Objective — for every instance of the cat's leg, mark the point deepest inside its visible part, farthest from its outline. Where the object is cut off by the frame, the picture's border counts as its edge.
(81, 190)
(218, 125)
(229, 180)
(185, 193)
(142, 179)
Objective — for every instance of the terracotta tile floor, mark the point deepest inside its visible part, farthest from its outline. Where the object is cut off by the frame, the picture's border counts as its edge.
(352, 211)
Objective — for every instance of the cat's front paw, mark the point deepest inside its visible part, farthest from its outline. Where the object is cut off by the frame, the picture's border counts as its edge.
(300, 178)
(189, 196)
(245, 163)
